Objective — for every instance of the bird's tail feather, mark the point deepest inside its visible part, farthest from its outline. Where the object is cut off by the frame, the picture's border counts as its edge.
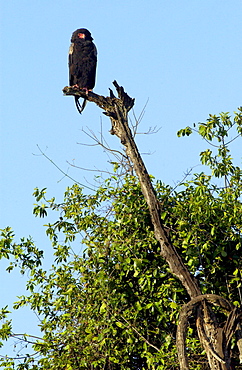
(80, 107)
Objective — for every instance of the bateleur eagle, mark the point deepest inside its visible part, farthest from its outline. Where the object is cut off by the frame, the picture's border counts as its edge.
(82, 63)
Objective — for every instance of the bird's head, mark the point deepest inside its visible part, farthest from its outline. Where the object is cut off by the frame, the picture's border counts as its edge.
(81, 34)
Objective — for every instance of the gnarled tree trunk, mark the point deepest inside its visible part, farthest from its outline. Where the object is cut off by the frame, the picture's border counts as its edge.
(215, 339)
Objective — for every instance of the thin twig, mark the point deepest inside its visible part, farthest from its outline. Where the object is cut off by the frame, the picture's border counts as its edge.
(64, 173)
(140, 335)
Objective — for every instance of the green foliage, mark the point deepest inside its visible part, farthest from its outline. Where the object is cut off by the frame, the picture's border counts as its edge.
(115, 305)
(25, 254)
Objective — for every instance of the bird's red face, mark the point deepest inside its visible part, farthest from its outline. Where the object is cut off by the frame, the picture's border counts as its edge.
(81, 35)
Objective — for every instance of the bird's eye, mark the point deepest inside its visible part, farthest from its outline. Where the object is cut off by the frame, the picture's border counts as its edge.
(81, 35)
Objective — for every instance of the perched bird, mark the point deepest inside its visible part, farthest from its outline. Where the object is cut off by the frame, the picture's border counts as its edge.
(82, 63)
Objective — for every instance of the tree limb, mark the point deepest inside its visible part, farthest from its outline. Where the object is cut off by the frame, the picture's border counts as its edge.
(117, 109)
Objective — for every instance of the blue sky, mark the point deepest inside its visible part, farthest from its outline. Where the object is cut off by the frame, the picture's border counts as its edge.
(184, 56)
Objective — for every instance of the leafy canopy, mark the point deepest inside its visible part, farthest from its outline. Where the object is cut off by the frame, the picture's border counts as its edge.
(113, 304)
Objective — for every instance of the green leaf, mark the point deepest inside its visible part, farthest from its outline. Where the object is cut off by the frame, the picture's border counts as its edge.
(103, 307)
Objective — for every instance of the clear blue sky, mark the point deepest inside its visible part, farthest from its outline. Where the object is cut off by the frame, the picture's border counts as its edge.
(185, 56)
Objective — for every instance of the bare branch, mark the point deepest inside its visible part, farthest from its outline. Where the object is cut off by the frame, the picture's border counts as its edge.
(139, 334)
(64, 173)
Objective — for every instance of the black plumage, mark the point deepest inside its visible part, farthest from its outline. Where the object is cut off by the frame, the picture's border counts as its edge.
(82, 63)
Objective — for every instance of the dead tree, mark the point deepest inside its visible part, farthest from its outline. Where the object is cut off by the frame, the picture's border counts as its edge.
(216, 340)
